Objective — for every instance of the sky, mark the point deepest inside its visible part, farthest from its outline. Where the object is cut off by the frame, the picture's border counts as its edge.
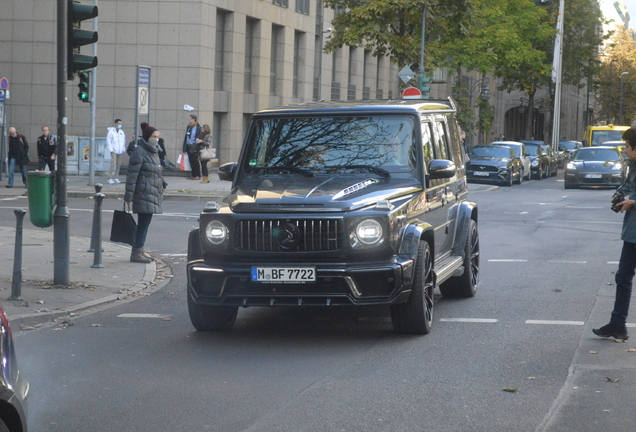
(631, 8)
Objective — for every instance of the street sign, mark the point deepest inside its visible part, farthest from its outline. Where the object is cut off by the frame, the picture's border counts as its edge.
(412, 93)
(4, 83)
(143, 79)
(406, 74)
(1, 96)
(143, 100)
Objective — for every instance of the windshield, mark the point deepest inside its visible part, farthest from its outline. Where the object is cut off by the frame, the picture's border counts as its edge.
(599, 137)
(533, 150)
(321, 143)
(515, 148)
(596, 155)
(570, 145)
(493, 152)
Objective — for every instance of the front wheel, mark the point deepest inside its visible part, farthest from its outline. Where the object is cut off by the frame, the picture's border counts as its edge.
(509, 179)
(466, 284)
(556, 171)
(416, 315)
(211, 318)
(520, 179)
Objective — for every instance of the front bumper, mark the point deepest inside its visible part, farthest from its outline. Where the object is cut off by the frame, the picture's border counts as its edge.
(607, 179)
(499, 176)
(336, 284)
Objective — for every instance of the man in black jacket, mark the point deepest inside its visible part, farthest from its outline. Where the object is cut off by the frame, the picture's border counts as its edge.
(18, 155)
(46, 150)
(191, 148)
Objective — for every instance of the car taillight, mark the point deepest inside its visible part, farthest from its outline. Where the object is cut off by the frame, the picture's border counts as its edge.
(5, 322)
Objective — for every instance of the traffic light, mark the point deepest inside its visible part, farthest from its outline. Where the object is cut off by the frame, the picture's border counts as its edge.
(77, 37)
(423, 85)
(84, 86)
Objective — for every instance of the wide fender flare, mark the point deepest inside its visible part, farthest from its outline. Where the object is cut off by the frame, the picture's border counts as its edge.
(466, 211)
(409, 246)
(194, 245)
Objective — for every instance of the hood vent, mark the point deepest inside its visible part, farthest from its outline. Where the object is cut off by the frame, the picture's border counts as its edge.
(355, 188)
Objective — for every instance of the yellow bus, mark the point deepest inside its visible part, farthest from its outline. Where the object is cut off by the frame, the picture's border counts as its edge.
(598, 134)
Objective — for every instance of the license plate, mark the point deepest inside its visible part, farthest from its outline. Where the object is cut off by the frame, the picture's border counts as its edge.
(481, 174)
(284, 274)
(593, 175)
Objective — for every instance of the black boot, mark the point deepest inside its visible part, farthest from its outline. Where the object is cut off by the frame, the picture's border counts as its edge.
(137, 255)
(618, 333)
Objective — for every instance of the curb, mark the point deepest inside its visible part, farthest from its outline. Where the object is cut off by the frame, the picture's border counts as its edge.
(166, 197)
(148, 279)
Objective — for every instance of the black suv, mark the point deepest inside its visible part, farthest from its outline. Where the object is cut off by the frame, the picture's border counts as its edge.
(339, 203)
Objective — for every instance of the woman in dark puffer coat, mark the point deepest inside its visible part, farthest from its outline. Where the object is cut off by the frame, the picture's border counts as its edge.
(144, 188)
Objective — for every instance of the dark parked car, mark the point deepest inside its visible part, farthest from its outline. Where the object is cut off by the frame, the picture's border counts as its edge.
(596, 166)
(14, 389)
(339, 203)
(521, 153)
(494, 164)
(566, 150)
(539, 162)
(553, 158)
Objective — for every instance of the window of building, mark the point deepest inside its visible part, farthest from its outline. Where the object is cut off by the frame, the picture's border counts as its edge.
(351, 86)
(299, 61)
(282, 3)
(378, 81)
(335, 69)
(276, 60)
(250, 54)
(302, 6)
(219, 49)
(217, 125)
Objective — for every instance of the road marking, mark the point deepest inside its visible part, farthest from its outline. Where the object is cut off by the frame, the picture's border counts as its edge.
(469, 320)
(613, 262)
(551, 322)
(507, 260)
(142, 315)
(630, 325)
(567, 262)
(583, 208)
(175, 254)
(599, 222)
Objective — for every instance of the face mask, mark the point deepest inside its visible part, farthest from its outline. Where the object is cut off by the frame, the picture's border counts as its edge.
(153, 141)
(118, 126)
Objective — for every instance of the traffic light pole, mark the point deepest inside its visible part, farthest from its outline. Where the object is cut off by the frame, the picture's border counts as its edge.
(93, 91)
(61, 236)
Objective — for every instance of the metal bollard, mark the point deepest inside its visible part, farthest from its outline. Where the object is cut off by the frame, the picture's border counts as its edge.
(16, 284)
(98, 189)
(97, 231)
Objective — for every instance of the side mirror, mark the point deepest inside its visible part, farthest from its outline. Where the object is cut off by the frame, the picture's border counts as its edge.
(226, 171)
(439, 168)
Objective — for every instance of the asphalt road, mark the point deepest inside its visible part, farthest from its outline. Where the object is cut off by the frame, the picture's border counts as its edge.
(547, 258)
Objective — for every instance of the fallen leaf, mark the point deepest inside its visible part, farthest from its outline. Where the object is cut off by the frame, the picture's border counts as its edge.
(610, 283)
(611, 379)
(167, 319)
(510, 389)
(592, 352)
(26, 327)
(631, 350)
(531, 378)
(95, 325)
(40, 302)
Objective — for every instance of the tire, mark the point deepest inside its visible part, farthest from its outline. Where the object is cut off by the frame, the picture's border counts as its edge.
(529, 177)
(556, 171)
(211, 318)
(520, 179)
(509, 180)
(466, 285)
(416, 315)
(539, 175)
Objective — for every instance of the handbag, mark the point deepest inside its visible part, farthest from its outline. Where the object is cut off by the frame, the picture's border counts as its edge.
(207, 153)
(124, 227)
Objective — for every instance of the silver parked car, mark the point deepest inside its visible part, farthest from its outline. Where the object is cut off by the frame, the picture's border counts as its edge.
(14, 389)
(520, 152)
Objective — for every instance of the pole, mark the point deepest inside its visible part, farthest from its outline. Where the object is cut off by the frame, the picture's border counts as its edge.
(136, 129)
(97, 258)
(91, 159)
(557, 64)
(621, 113)
(61, 236)
(16, 281)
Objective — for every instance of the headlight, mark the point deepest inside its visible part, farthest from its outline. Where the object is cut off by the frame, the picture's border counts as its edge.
(570, 166)
(216, 232)
(535, 163)
(617, 167)
(369, 232)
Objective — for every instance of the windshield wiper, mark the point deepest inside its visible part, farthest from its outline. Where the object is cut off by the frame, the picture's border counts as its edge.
(298, 170)
(376, 170)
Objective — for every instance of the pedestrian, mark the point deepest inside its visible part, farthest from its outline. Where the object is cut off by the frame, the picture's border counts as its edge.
(204, 140)
(47, 145)
(501, 138)
(190, 147)
(116, 145)
(144, 188)
(18, 155)
(627, 263)
(132, 145)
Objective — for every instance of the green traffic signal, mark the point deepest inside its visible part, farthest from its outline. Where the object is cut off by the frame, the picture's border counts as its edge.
(77, 38)
(84, 86)
(423, 85)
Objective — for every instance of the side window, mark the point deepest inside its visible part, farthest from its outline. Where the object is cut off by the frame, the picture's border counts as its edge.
(442, 142)
(427, 143)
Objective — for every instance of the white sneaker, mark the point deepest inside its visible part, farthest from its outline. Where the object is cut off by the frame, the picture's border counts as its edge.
(117, 181)
(111, 181)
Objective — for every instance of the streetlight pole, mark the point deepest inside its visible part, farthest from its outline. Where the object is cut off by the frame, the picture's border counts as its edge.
(621, 113)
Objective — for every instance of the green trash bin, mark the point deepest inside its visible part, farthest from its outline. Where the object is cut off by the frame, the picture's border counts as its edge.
(40, 191)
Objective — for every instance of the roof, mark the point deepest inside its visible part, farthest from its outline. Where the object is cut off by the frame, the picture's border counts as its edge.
(367, 106)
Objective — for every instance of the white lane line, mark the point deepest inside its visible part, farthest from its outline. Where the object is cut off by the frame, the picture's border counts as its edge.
(630, 325)
(552, 322)
(583, 208)
(599, 222)
(507, 260)
(469, 320)
(142, 315)
(567, 262)
(175, 255)
(612, 262)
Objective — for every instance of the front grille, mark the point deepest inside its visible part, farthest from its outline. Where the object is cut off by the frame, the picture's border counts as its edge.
(315, 235)
(483, 168)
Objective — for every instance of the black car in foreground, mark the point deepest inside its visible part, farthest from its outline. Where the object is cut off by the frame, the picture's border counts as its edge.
(494, 164)
(539, 161)
(339, 203)
(14, 389)
(594, 167)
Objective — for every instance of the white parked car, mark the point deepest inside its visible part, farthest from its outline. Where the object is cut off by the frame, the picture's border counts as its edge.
(520, 152)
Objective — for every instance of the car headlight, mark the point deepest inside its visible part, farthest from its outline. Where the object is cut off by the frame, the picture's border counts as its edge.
(368, 232)
(617, 167)
(571, 166)
(216, 232)
(535, 163)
